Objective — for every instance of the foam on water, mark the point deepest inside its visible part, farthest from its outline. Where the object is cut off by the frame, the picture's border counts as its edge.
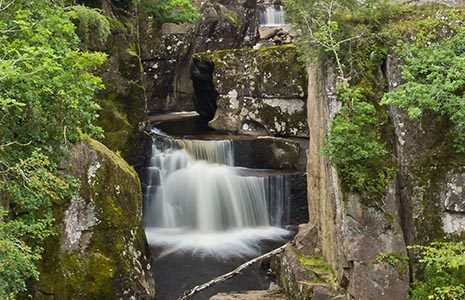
(231, 243)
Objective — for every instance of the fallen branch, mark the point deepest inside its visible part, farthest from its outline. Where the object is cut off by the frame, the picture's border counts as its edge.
(189, 293)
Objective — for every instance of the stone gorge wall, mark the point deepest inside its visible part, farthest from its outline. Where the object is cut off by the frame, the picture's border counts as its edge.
(432, 175)
(344, 233)
(166, 49)
(424, 203)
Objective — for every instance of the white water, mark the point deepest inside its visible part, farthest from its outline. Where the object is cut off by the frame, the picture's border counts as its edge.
(272, 16)
(197, 201)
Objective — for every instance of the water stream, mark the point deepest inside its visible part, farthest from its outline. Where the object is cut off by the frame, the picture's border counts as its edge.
(196, 201)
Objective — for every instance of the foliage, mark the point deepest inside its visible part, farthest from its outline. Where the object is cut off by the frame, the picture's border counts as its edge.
(46, 90)
(46, 99)
(394, 259)
(354, 145)
(91, 25)
(323, 272)
(432, 70)
(315, 19)
(338, 32)
(444, 264)
(31, 186)
(174, 11)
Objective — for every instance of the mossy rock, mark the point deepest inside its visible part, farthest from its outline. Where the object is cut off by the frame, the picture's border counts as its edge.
(123, 100)
(257, 91)
(101, 251)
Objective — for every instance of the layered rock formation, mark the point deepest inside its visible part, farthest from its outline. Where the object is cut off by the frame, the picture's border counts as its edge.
(100, 251)
(363, 242)
(260, 91)
(167, 49)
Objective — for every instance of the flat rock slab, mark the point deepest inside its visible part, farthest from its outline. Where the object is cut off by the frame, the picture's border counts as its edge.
(251, 295)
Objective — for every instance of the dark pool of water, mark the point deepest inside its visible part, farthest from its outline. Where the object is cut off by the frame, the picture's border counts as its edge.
(176, 272)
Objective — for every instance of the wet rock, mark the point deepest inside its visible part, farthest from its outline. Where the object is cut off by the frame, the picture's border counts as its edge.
(268, 32)
(264, 87)
(101, 251)
(269, 153)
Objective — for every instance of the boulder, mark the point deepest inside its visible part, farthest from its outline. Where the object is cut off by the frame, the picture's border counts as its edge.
(100, 251)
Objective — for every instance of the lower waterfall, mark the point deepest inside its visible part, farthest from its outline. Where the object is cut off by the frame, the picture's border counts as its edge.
(197, 201)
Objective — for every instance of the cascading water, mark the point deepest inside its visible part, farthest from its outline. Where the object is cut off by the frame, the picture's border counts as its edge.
(272, 16)
(195, 200)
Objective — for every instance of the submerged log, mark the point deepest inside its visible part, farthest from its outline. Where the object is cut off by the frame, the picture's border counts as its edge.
(198, 288)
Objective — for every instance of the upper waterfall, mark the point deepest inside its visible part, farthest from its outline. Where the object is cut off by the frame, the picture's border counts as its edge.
(272, 16)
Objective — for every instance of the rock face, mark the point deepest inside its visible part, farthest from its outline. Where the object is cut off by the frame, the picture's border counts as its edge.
(269, 153)
(432, 173)
(167, 48)
(343, 232)
(260, 92)
(100, 251)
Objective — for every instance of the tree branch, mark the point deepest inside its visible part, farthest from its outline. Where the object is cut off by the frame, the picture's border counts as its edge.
(189, 293)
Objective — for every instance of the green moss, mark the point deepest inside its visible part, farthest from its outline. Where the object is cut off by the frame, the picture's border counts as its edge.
(324, 272)
(272, 70)
(234, 18)
(112, 157)
(395, 259)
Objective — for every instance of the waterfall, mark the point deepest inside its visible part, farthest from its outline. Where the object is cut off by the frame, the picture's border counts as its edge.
(272, 16)
(193, 189)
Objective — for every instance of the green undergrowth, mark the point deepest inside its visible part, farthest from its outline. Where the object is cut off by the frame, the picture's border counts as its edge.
(173, 11)
(444, 272)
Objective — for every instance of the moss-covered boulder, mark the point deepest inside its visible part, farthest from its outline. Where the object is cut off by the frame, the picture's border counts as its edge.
(100, 251)
(260, 91)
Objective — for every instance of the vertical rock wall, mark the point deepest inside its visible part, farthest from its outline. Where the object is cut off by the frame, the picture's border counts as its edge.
(431, 174)
(344, 231)
(123, 100)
